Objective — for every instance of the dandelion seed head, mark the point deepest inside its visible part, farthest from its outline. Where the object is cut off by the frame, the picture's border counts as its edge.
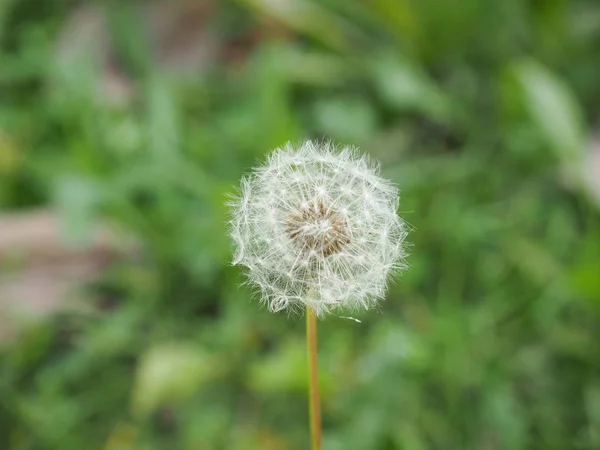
(317, 226)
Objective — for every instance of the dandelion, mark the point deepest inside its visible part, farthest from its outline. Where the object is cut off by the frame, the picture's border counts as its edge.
(317, 228)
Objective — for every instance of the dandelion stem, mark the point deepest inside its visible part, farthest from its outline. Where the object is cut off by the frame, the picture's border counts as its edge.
(313, 380)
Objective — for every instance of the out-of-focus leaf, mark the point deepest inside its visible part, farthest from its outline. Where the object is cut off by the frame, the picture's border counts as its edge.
(314, 68)
(123, 437)
(77, 199)
(504, 421)
(5, 6)
(170, 372)
(163, 123)
(535, 261)
(80, 54)
(126, 26)
(124, 137)
(587, 20)
(40, 413)
(591, 171)
(33, 341)
(272, 113)
(409, 436)
(253, 438)
(305, 16)
(391, 345)
(202, 426)
(345, 119)
(400, 17)
(286, 371)
(110, 337)
(592, 403)
(10, 159)
(282, 371)
(583, 276)
(553, 108)
(405, 87)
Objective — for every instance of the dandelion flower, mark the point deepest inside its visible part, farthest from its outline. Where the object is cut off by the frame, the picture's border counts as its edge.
(318, 227)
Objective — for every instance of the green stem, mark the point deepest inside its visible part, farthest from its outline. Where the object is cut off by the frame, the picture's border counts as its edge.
(313, 380)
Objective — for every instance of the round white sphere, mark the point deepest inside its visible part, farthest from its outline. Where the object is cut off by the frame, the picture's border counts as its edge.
(318, 227)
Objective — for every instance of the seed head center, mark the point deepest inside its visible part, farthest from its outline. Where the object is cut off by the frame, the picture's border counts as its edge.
(315, 227)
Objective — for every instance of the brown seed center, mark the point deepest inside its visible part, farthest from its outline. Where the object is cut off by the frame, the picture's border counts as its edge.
(317, 228)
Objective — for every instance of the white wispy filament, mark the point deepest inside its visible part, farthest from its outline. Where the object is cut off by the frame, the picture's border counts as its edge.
(318, 226)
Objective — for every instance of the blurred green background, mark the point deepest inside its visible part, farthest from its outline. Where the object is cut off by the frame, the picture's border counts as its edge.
(143, 116)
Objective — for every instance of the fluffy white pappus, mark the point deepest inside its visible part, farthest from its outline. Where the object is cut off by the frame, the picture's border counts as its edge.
(317, 226)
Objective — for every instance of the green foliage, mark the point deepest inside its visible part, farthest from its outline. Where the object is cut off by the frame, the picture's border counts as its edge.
(475, 108)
